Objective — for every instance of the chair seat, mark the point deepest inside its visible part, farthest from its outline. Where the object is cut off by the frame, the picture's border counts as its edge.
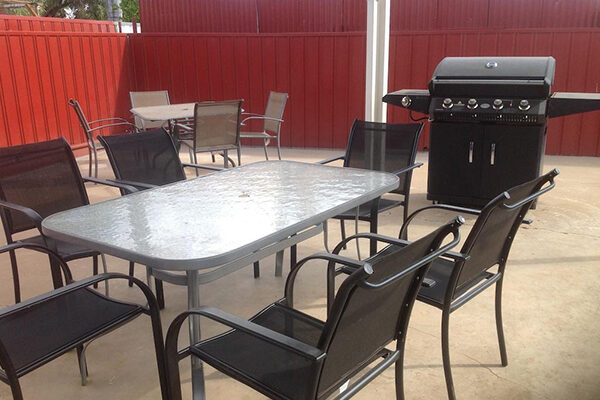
(256, 135)
(67, 251)
(36, 334)
(365, 209)
(440, 271)
(253, 360)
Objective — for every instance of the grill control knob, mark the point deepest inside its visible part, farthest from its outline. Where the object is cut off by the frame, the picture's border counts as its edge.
(447, 103)
(524, 105)
(472, 104)
(498, 104)
(406, 102)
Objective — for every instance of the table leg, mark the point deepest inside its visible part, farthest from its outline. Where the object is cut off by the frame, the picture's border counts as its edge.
(194, 322)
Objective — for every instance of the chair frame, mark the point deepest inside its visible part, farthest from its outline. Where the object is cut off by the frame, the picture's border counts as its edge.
(36, 220)
(142, 122)
(264, 135)
(318, 354)
(373, 217)
(11, 375)
(452, 303)
(194, 149)
(143, 186)
(86, 125)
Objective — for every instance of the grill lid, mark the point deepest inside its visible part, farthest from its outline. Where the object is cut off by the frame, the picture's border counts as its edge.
(488, 76)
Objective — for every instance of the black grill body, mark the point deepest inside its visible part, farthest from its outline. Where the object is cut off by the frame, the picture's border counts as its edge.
(488, 123)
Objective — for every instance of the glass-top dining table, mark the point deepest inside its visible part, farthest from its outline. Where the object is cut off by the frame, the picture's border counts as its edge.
(208, 227)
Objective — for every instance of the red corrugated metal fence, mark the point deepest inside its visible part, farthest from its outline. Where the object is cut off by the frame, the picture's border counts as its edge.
(323, 73)
(278, 16)
(40, 71)
(18, 23)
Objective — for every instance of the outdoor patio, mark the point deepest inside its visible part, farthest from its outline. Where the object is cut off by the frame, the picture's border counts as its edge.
(551, 307)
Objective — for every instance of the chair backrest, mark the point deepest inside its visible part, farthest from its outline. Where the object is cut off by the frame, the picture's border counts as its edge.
(373, 306)
(383, 147)
(217, 123)
(275, 109)
(146, 157)
(491, 237)
(82, 119)
(42, 176)
(146, 99)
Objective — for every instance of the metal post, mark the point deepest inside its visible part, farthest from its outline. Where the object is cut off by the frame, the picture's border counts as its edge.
(378, 34)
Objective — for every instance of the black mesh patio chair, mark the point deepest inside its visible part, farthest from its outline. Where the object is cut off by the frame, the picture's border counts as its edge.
(457, 277)
(272, 119)
(89, 127)
(286, 354)
(38, 180)
(381, 147)
(216, 128)
(146, 160)
(38, 330)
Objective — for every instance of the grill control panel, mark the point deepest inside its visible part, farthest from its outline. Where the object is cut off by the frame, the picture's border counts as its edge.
(497, 110)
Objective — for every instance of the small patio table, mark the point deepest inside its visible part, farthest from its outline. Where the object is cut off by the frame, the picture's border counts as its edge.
(221, 222)
(164, 112)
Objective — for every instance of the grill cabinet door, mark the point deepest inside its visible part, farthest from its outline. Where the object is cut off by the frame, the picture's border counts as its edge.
(511, 156)
(455, 158)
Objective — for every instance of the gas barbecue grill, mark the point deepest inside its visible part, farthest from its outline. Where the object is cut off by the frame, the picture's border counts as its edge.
(488, 123)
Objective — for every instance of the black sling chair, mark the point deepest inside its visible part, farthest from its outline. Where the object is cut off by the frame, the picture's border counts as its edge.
(286, 354)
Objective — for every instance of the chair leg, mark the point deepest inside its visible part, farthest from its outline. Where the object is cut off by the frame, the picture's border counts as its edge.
(212, 156)
(293, 256)
(83, 370)
(15, 273)
(279, 263)
(160, 294)
(257, 269)
(400, 377)
(239, 154)
(95, 269)
(104, 270)
(343, 232)
(95, 163)
(446, 353)
(131, 272)
(225, 159)
(499, 328)
(195, 161)
(89, 161)
(265, 148)
(278, 149)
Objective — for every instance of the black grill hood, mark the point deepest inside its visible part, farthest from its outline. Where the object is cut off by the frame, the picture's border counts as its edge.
(493, 76)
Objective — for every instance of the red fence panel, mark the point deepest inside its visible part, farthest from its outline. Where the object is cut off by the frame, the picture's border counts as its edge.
(278, 16)
(414, 57)
(42, 70)
(18, 23)
(323, 74)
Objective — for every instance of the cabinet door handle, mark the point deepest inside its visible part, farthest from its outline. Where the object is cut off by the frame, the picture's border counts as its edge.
(493, 154)
(471, 144)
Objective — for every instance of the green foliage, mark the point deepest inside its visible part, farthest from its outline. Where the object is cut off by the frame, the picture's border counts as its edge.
(131, 9)
(81, 9)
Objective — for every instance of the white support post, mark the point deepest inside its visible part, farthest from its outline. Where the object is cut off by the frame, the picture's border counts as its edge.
(378, 38)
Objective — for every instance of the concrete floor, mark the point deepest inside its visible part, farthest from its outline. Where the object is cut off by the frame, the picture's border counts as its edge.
(551, 309)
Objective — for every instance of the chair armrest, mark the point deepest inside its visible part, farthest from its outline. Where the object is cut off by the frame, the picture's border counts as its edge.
(111, 125)
(77, 285)
(137, 185)
(261, 117)
(409, 168)
(447, 207)
(198, 166)
(109, 182)
(233, 321)
(108, 119)
(30, 213)
(186, 127)
(332, 159)
(333, 259)
(42, 249)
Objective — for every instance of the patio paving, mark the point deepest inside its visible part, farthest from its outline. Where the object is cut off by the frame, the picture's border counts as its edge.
(551, 308)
